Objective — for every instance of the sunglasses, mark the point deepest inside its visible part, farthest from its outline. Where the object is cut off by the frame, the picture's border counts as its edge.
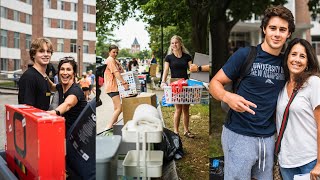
(67, 58)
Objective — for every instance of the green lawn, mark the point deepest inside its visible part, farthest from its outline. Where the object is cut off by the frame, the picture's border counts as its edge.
(7, 84)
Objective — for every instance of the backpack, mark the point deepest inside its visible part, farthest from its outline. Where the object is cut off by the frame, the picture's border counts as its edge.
(244, 71)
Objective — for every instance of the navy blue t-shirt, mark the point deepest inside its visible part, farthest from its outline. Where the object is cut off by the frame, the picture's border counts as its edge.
(261, 87)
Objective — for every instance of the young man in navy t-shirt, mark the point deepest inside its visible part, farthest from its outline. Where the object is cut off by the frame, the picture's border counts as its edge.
(248, 135)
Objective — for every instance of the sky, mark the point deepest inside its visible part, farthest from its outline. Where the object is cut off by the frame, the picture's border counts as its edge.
(131, 29)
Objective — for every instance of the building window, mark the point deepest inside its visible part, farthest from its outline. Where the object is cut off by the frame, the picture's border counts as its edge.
(74, 25)
(73, 7)
(4, 64)
(60, 23)
(60, 45)
(28, 41)
(86, 26)
(61, 5)
(47, 4)
(16, 64)
(28, 19)
(4, 38)
(4, 12)
(47, 22)
(16, 40)
(86, 47)
(73, 46)
(86, 9)
(16, 16)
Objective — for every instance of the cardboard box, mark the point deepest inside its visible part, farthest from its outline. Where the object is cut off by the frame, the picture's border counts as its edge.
(35, 146)
(153, 70)
(130, 104)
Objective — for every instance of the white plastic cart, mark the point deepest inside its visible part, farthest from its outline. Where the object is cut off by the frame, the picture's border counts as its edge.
(143, 162)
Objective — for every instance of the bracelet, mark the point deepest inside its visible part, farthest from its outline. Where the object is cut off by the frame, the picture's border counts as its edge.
(57, 112)
(199, 68)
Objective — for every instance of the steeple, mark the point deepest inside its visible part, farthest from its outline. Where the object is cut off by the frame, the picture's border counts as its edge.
(135, 42)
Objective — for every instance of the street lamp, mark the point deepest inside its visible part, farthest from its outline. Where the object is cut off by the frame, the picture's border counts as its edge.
(79, 73)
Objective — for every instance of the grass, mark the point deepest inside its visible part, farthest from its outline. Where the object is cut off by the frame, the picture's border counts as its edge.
(10, 84)
(195, 163)
(216, 122)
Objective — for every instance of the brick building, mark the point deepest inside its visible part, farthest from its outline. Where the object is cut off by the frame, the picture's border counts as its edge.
(69, 24)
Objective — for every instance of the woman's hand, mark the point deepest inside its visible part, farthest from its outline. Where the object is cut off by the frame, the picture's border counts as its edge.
(125, 85)
(315, 172)
(52, 112)
(163, 84)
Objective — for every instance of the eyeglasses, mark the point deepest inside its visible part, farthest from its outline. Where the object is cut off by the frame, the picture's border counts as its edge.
(67, 58)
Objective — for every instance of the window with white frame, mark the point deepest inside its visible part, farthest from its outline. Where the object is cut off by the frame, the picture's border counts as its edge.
(86, 26)
(47, 4)
(74, 25)
(60, 23)
(73, 45)
(28, 19)
(86, 9)
(61, 5)
(28, 41)
(16, 16)
(4, 12)
(16, 40)
(16, 64)
(86, 47)
(4, 64)
(4, 38)
(73, 7)
(47, 22)
(60, 45)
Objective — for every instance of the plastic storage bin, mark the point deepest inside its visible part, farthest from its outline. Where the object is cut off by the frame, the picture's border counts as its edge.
(106, 156)
(188, 95)
(134, 84)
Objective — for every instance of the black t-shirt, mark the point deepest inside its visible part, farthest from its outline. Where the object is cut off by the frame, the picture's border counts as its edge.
(34, 89)
(72, 115)
(178, 66)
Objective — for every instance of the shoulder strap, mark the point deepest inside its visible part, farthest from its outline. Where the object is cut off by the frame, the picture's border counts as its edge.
(246, 66)
(284, 123)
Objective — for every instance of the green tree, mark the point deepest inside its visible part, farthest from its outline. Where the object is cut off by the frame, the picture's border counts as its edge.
(314, 7)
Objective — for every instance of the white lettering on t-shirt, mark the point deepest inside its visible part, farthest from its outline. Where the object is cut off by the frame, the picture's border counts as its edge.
(267, 71)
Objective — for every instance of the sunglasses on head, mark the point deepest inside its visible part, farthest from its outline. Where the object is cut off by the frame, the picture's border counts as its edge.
(67, 58)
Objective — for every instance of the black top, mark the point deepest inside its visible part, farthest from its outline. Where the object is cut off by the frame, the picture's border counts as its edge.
(178, 66)
(34, 89)
(72, 115)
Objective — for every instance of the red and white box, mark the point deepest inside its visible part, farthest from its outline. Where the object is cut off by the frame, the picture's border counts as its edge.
(35, 146)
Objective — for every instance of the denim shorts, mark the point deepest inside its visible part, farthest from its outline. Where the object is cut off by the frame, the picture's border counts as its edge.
(288, 173)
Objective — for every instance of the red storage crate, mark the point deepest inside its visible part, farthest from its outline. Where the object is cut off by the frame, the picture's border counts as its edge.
(35, 146)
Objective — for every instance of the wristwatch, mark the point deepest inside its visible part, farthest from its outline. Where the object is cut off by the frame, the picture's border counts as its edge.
(57, 112)
(199, 68)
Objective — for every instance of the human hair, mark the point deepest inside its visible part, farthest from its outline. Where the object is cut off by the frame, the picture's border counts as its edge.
(312, 62)
(183, 48)
(134, 62)
(37, 44)
(281, 12)
(70, 60)
(112, 46)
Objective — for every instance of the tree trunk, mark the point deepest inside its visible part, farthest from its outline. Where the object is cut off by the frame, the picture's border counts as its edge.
(199, 16)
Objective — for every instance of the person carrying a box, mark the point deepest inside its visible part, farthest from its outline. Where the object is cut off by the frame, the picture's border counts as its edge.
(111, 74)
(178, 60)
(33, 85)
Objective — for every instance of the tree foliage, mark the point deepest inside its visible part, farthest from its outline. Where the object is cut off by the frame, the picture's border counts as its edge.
(314, 7)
